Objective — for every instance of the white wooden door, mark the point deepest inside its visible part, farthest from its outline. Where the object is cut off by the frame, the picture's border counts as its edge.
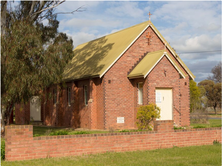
(164, 101)
(35, 108)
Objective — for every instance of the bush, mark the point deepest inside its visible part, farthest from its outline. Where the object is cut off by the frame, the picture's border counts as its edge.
(60, 132)
(146, 114)
(2, 149)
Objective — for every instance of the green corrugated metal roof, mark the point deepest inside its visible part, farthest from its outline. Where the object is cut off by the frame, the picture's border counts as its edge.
(148, 63)
(94, 58)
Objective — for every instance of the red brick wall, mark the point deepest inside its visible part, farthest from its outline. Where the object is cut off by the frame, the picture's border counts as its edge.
(163, 126)
(20, 144)
(135, 89)
(74, 115)
(170, 79)
(121, 93)
(78, 115)
(185, 101)
(50, 109)
(97, 104)
(84, 110)
(22, 113)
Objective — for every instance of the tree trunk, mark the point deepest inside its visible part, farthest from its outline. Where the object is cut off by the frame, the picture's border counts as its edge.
(5, 116)
(215, 110)
(8, 113)
(2, 120)
(2, 126)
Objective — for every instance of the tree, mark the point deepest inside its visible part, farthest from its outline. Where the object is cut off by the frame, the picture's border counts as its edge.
(203, 98)
(198, 98)
(146, 114)
(33, 55)
(194, 96)
(213, 93)
(216, 71)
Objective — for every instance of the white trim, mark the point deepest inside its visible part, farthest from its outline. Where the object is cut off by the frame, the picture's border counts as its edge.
(165, 54)
(162, 39)
(175, 66)
(186, 70)
(124, 51)
(153, 66)
(170, 50)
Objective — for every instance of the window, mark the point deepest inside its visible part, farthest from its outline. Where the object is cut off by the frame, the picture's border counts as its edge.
(54, 96)
(69, 96)
(85, 95)
(140, 93)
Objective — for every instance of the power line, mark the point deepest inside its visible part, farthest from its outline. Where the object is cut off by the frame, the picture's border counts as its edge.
(204, 52)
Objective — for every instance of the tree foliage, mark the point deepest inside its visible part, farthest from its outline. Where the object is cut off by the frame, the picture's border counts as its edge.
(194, 95)
(216, 71)
(146, 114)
(198, 98)
(33, 55)
(212, 92)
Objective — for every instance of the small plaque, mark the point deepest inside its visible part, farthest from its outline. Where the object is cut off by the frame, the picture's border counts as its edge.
(120, 119)
(158, 97)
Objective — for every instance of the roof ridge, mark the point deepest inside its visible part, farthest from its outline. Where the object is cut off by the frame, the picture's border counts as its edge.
(115, 32)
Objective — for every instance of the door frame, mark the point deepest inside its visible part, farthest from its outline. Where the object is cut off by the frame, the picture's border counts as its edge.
(169, 88)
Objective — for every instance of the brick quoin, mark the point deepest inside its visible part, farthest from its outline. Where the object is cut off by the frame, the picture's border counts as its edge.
(21, 145)
(114, 95)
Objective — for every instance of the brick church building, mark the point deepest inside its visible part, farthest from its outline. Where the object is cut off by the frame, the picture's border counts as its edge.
(111, 76)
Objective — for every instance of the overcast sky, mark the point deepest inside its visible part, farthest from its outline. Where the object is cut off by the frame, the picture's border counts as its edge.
(193, 29)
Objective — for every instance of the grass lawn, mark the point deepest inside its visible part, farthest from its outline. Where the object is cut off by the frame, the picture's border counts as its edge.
(212, 123)
(206, 155)
(44, 131)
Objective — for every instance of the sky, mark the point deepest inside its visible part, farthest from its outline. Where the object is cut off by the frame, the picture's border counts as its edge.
(193, 29)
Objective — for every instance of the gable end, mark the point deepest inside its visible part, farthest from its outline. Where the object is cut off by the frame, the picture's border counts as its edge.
(124, 51)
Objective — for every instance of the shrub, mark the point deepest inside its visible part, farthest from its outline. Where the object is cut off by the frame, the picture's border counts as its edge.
(2, 149)
(146, 114)
(60, 132)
